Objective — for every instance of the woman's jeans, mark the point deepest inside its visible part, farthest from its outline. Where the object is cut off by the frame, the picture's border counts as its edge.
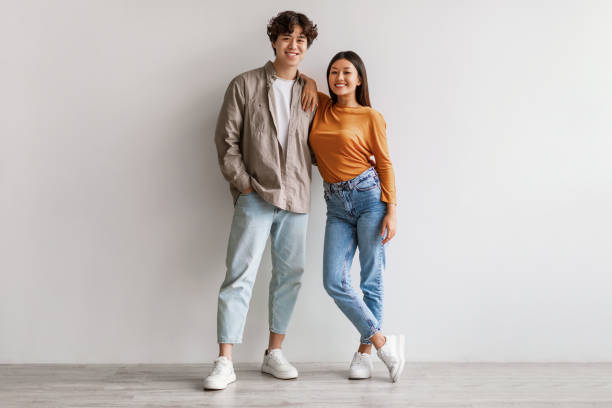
(254, 221)
(354, 220)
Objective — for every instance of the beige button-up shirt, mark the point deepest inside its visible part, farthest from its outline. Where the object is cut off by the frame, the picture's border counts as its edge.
(248, 149)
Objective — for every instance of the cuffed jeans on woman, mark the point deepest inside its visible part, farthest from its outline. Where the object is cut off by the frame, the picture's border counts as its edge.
(254, 220)
(354, 220)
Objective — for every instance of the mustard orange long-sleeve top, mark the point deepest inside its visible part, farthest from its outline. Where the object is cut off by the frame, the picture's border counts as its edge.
(343, 139)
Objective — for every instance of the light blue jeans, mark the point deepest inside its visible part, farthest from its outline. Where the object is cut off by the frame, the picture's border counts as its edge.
(354, 220)
(254, 221)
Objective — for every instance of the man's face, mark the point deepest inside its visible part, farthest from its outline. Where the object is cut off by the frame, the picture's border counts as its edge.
(291, 47)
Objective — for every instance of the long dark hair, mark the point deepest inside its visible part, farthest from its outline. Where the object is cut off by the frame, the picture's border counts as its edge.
(362, 93)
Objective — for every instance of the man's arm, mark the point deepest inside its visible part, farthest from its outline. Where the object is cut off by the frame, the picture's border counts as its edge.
(313, 158)
(310, 101)
(228, 135)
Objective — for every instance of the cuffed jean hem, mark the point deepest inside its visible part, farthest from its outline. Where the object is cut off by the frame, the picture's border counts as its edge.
(229, 341)
(284, 332)
(367, 340)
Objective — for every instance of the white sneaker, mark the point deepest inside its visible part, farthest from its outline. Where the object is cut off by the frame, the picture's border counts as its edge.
(276, 364)
(361, 366)
(392, 354)
(222, 375)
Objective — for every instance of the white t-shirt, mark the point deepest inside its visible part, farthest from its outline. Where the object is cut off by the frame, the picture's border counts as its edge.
(282, 100)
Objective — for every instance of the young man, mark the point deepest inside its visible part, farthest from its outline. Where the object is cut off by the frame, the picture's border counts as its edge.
(262, 145)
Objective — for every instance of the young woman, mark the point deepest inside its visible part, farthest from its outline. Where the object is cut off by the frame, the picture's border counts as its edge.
(346, 133)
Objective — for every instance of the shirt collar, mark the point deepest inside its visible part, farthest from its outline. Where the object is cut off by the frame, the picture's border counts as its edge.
(271, 73)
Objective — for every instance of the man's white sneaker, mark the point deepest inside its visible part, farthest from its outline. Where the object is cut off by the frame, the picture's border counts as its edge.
(392, 354)
(361, 366)
(276, 364)
(222, 375)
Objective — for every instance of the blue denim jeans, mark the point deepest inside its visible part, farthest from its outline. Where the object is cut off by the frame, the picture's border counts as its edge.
(354, 220)
(254, 221)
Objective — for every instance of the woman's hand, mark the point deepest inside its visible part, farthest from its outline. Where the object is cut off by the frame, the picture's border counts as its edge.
(310, 99)
(389, 224)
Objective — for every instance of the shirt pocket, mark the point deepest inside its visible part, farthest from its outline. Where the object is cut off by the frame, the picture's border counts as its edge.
(301, 125)
(258, 116)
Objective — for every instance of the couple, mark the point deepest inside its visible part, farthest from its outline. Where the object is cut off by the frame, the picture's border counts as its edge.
(266, 152)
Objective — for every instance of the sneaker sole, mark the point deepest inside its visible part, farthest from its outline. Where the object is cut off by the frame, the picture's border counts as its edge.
(402, 356)
(219, 387)
(271, 372)
(355, 377)
(360, 376)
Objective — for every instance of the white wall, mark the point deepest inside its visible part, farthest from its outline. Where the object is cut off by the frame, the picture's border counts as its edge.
(115, 217)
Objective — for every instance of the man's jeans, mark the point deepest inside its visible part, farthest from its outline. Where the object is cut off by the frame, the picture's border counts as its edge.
(255, 220)
(354, 220)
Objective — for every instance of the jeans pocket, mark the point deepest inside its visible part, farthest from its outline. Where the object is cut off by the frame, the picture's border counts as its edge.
(368, 183)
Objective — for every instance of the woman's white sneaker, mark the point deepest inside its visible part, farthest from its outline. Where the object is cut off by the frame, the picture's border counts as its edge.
(361, 366)
(276, 364)
(222, 375)
(392, 354)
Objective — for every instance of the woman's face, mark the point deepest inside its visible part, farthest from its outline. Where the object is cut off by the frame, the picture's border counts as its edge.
(343, 78)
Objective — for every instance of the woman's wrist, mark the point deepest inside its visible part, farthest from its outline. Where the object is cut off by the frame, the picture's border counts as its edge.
(306, 78)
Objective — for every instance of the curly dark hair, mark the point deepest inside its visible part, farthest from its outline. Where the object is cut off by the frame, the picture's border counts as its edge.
(283, 23)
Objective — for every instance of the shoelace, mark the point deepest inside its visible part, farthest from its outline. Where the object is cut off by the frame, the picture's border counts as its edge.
(279, 358)
(219, 367)
(389, 356)
(357, 360)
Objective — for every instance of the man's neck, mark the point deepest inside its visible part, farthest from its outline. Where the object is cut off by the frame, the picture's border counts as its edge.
(283, 71)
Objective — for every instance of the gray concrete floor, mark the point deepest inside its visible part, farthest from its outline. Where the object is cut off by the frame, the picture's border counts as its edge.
(319, 385)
